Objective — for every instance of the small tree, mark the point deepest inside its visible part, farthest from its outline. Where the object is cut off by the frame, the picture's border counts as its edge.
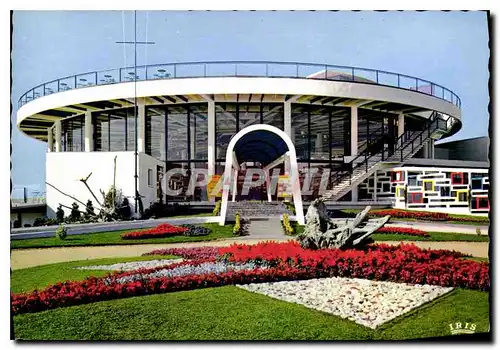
(75, 213)
(60, 214)
(61, 232)
(89, 212)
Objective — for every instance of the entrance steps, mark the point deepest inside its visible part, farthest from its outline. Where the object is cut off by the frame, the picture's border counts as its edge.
(257, 209)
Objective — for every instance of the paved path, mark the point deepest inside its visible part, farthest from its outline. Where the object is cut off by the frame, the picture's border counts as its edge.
(266, 229)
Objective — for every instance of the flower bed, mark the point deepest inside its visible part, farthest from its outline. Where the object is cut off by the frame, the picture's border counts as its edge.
(426, 215)
(403, 263)
(266, 262)
(188, 253)
(402, 231)
(162, 230)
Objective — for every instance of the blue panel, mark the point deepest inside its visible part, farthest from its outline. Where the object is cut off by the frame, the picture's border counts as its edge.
(260, 146)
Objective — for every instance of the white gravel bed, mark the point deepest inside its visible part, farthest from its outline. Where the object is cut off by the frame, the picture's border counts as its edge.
(368, 303)
(131, 266)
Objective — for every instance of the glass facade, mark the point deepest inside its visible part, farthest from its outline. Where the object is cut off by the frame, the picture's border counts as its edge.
(114, 130)
(73, 134)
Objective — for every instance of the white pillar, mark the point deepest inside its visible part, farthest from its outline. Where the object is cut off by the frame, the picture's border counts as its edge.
(58, 135)
(268, 185)
(401, 124)
(287, 119)
(88, 132)
(235, 184)
(141, 126)
(354, 130)
(354, 194)
(430, 149)
(375, 179)
(50, 140)
(211, 138)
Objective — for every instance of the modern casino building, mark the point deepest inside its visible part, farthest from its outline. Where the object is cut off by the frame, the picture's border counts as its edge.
(345, 133)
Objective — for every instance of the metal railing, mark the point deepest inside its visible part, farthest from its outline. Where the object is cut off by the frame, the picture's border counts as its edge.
(404, 141)
(241, 69)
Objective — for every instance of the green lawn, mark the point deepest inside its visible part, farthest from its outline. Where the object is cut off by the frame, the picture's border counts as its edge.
(113, 238)
(229, 313)
(39, 277)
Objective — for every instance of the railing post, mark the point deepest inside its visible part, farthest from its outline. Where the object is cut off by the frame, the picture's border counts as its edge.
(376, 72)
(401, 154)
(267, 69)
(43, 89)
(75, 81)
(58, 85)
(297, 70)
(204, 70)
(399, 85)
(326, 72)
(96, 78)
(235, 69)
(352, 73)
(175, 70)
(120, 75)
(416, 83)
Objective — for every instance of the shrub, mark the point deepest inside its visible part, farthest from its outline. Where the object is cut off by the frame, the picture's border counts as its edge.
(89, 211)
(162, 230)
(237, 229)
(287, 227)
(478, 231)
(216, 211)
(125, 211)
(110, 198)
(75, 213)
(60, 214)
(16, 224)
(193, 230)
(61, 232)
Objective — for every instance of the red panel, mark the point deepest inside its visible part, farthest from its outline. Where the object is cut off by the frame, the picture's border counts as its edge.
(459, 175)
(413, 195)
(478, 200)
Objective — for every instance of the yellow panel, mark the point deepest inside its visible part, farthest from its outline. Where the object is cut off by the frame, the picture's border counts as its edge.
(397, 191)
(431, 181)
(457, 198)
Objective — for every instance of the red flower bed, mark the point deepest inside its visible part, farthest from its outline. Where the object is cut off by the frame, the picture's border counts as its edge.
(162, 230)
(403, 231)
(188, 253)
(404, 263)
(426, 215)
(422, 215)
(287, 261)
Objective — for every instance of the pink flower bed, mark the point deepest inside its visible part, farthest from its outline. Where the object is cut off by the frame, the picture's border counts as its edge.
(188, 253)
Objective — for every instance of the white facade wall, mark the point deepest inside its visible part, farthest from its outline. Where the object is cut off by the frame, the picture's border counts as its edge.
(65, 169)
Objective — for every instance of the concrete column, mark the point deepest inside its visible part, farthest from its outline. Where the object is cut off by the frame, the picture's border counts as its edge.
(211, 138)
(401, 124)
(192, 138)
(141, 126)
(430, 149)
(375, 179)
(50, 140)
(89, 135)
(268, 185)
(287, 118)
(354, 194)
(354, 130)
(58, 135)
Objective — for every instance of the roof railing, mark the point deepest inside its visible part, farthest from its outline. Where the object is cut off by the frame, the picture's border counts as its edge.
(241, 69)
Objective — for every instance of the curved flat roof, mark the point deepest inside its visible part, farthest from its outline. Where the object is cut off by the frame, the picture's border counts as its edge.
(173, 83)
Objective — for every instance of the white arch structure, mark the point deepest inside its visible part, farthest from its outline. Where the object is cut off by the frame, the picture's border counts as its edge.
(294, 173)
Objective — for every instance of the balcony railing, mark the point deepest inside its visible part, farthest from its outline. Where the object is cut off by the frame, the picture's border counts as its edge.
(242, 69)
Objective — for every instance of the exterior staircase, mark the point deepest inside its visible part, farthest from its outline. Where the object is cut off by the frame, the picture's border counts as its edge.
(256, 209)
(367, 162)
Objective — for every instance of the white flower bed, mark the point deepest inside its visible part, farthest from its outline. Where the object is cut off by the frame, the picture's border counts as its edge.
(131, 266)
(368, 303)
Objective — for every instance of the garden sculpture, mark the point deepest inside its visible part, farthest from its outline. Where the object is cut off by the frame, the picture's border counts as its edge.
(322, 232)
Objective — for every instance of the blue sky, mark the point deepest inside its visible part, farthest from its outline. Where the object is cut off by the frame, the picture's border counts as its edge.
(448, 48)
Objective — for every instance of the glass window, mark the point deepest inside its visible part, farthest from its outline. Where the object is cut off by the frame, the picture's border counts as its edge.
(483, 203)
(72, 134)
(225, 127)
(150, 177)
(155, 132)
(199, 132)
(319, 133)
(273, 114)
(177, 145)
(300, 132)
